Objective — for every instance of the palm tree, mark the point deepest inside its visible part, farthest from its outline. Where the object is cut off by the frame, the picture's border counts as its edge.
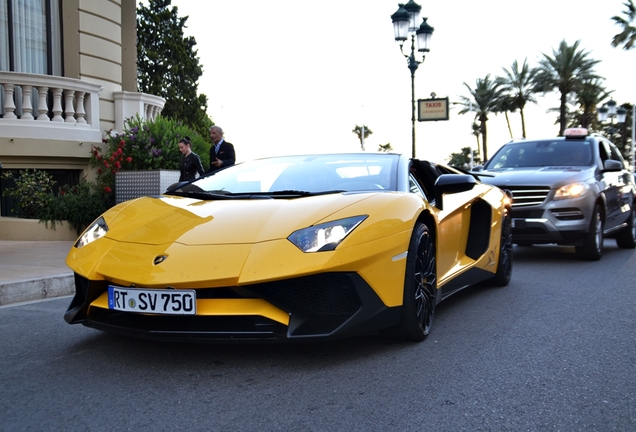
(485, 99)
(589, 99)
(519, 83)
(565, 71)
(627, 37)
(385, 147)
(476, 133)
(363, 133)
(506, 105)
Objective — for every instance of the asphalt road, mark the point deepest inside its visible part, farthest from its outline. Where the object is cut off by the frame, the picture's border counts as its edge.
(553, 351)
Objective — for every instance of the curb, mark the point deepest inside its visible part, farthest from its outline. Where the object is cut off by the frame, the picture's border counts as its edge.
(36, 289)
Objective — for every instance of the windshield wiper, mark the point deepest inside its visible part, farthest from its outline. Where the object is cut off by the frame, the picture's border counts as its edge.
(222, 194)
(290, 193)
(204, 195)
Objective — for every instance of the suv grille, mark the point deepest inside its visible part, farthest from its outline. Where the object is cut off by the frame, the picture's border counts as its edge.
(524, 196)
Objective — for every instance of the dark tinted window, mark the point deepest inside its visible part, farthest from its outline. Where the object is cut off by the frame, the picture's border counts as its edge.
(542, 153)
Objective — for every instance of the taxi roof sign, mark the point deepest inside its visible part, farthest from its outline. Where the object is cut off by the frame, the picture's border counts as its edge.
(575, 133)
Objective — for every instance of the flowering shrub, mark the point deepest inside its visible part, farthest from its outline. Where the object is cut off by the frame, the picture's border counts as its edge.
(143, 145)
(33, 191)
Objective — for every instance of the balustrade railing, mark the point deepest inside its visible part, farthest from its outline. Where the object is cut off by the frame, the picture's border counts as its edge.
(32, 105)
(59, 99)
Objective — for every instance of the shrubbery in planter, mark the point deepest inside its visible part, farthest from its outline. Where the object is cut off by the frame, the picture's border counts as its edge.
(80, 205)
(143, 145)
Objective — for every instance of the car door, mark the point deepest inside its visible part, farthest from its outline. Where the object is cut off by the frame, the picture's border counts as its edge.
(613, 183)
(452, 229)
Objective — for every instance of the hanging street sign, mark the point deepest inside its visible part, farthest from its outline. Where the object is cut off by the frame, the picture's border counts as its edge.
(432, 109)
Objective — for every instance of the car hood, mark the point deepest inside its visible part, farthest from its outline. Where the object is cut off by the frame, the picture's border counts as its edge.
(227, 242)
(536, 176)
(170, 219)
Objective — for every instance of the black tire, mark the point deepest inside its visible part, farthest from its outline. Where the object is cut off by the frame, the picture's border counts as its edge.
(592, 248)
(420, 286)
(504, 265)
(626, 238)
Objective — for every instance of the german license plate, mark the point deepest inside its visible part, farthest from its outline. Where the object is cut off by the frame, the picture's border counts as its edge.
(164, 301)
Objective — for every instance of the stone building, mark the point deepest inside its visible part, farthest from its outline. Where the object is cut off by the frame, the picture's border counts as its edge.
(68, 75)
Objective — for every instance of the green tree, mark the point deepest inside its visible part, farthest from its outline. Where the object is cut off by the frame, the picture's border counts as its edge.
(627, 37)
(168, 66)
(519, 83)
(484, 99)
(358, 131)
(565, 71)
(385, 148)
(623, 138)
(462, 159)
(33, 191)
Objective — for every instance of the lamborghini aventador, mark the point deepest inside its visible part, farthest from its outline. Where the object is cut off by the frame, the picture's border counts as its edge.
(293, 248)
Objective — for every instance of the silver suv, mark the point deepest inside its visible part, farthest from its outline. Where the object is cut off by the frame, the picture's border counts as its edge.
(571, 190)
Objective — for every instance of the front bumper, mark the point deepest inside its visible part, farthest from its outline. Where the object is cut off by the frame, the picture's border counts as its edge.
(322, 306)
(563, 222)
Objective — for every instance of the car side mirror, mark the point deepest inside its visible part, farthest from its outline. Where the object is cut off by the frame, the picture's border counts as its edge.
(452, 183)
(613, 165)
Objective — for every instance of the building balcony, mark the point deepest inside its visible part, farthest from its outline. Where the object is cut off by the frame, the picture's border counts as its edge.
(36, 106)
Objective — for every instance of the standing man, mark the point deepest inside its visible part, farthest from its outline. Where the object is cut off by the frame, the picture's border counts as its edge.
(222, 152)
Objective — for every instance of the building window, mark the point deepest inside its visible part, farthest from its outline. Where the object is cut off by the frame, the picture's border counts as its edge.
(31, 36)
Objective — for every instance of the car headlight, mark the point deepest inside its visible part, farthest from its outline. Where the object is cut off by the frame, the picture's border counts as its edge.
(574, 190)
(96, 231)
(326, 236)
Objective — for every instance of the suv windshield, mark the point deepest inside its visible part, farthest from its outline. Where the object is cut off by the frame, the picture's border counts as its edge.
(542, 154)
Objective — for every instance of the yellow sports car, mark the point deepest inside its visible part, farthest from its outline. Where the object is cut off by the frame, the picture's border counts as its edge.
(291, 248)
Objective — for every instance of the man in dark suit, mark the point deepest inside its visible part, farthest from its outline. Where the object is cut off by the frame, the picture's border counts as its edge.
(222, 152)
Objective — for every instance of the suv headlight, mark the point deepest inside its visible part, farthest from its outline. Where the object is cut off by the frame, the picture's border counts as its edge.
(96, 231)
(326, 236)
(574, 190)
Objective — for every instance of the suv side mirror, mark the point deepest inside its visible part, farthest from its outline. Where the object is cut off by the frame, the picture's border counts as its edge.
(452, 183)
(613, 165)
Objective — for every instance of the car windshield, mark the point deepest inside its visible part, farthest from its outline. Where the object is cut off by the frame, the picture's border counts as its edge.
(542, 154)
(302, 175)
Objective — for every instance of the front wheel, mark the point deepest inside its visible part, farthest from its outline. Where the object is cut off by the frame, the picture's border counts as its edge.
(626, 238)
(592, 248)
(420, 286)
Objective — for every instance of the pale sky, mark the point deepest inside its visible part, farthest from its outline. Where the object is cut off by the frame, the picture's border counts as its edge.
(292, 76)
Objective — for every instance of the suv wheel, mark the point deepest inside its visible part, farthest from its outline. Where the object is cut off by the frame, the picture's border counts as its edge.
(592, 248)
(626, 238)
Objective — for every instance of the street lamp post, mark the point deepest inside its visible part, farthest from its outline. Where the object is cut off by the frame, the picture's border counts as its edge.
(405, 24)
(609, 110)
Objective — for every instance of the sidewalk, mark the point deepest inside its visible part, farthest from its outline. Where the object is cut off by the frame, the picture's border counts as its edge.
(33, 270)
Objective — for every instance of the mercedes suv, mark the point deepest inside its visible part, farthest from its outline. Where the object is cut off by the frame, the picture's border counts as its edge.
(570, 190)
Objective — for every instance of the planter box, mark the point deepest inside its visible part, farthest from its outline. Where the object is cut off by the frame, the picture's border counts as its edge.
(134, 184)
(18, 229)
